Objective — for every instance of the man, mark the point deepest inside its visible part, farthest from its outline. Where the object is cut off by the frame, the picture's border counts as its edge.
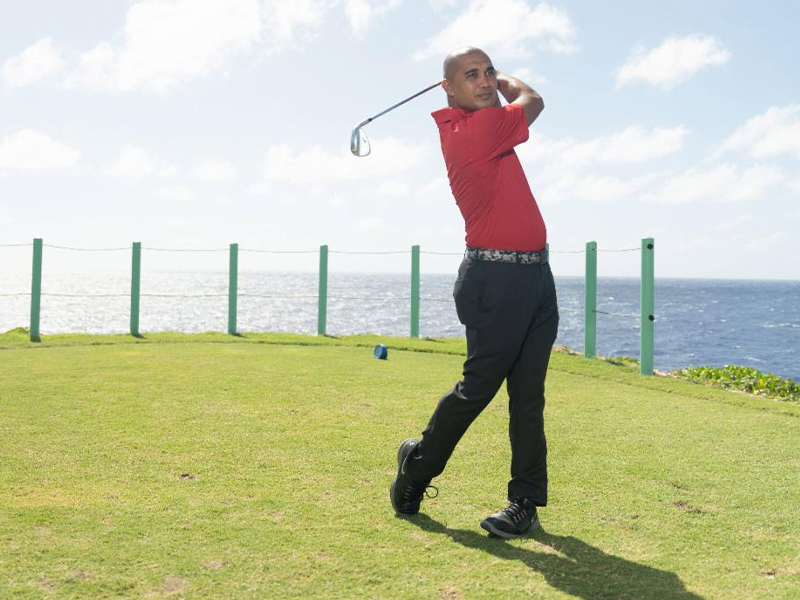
(504, 292)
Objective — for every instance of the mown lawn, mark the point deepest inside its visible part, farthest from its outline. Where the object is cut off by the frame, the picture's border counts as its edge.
(258, 467)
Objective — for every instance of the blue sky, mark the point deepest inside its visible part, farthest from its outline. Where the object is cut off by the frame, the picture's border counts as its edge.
(195, 123)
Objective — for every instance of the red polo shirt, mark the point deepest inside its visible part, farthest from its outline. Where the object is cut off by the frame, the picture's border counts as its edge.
(486, 178)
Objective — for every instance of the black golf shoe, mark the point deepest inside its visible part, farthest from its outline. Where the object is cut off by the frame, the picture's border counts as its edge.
(514, 520)
(406, 493)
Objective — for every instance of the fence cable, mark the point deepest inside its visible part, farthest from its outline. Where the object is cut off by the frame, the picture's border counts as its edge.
(56, 247)
(86, 295)
(184, 249)
(602, 312)
(279, 297)
(225, 295)
(373, 252)
(280, 251)
(274, 296)
(85, 249)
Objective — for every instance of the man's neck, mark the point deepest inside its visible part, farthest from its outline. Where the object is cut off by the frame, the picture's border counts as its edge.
(452, 104)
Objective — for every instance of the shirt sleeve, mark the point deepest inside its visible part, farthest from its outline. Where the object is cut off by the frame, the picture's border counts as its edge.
(496, 130)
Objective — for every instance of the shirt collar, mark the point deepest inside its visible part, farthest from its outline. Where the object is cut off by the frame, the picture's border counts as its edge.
(449, 113)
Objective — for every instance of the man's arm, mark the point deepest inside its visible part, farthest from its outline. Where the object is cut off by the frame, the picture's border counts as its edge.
(517, 92)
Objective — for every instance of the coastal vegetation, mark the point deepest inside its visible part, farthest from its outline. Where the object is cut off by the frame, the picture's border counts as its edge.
(745, 379)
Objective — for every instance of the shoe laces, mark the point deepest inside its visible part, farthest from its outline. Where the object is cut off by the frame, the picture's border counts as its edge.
(431, 487)
(515, 511)
(415, 491)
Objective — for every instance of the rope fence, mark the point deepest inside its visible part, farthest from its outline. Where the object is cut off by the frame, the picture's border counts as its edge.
(270, 251)
(590, 309)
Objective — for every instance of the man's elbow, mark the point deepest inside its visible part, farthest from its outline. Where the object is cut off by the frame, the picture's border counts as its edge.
(534, 109)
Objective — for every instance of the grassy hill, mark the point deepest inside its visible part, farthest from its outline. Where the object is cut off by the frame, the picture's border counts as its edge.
(208, 466)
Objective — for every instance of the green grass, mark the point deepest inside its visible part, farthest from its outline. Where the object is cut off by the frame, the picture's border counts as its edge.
(258, 467)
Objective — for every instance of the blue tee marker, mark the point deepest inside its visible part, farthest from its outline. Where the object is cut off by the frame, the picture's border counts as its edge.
(381, 352)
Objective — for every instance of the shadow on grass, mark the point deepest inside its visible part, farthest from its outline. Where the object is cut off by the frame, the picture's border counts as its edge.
(573, 566)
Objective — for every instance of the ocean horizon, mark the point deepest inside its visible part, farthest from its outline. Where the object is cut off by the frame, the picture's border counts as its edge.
(708, 322)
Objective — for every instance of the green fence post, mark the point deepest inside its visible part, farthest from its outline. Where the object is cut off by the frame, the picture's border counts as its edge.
(414, 291)
(136, 275)
(36, 290)
(322, 314)
(648, 307)
(233, 283)
(590, 302)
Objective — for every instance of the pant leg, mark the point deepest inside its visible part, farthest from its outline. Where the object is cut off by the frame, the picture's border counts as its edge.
(525, 385)
(456, 410)
(491, 303)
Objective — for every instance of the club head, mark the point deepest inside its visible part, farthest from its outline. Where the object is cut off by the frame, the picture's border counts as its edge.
(359, 143)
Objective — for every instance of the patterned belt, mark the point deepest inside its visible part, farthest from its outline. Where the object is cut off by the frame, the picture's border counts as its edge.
(506, 256)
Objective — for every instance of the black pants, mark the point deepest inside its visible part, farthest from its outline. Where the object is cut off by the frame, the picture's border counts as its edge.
(511, 316)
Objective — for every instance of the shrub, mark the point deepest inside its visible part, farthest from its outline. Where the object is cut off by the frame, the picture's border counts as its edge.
(745, 379)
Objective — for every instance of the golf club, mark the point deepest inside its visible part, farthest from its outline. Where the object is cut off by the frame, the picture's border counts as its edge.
(359, 144)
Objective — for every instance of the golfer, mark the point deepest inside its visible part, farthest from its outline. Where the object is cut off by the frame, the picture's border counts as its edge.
(504, 292)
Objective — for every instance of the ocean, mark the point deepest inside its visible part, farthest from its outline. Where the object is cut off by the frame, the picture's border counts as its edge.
(698, 322)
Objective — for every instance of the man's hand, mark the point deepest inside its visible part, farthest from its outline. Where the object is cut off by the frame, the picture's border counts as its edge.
(517, 92)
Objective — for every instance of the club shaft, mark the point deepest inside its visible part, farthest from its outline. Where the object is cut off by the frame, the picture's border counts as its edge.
(427, 89)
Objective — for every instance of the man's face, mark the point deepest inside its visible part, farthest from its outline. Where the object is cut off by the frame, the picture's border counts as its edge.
(473, 84)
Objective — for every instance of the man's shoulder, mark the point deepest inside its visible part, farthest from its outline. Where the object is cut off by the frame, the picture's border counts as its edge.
(488, 114)
(448, 113)
(497, 113)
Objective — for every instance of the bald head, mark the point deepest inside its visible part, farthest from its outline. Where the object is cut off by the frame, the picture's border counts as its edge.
(450, 67)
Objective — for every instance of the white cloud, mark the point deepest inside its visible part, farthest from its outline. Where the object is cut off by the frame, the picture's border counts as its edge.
(576, 185)
(528, 76)
(33, 151)
(673, 62)
(393, 188)
(505, 28)
(770, 242)
(285, 22)
(260, 188)
(440, 4)
(775, 132)
(559, 167)
(134, 162)
(360, 12)
(629, 146)
(390, 157)
(562, 170)
(215, 171)
(732, 224)
(165, 43)
(371, 224)
(720, 184)
(36, 63)
(433, 192)
(179, 194)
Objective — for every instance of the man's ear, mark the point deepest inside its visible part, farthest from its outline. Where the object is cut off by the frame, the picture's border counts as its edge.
(448, 87)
